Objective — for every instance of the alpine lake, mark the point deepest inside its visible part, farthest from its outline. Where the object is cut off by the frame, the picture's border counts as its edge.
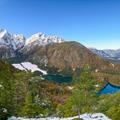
(58, 78)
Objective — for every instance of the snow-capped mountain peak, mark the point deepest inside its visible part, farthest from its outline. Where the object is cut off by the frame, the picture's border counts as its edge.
(55, 39)
(19, 36)
(5, 37)
(42, 39)
(108, 54)
(34, 38)
(13, 41)
(17, 42)
(3, 33)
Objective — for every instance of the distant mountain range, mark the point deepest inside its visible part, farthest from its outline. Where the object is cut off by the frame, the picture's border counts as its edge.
(108, 54)
(52, 52)
(57, 56)
(11, 44)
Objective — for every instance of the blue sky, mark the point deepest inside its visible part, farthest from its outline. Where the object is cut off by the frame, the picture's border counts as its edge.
(94, 23)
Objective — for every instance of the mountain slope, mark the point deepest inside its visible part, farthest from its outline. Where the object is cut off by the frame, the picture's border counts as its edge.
(66, 55)
(6, 71)
(51, 52)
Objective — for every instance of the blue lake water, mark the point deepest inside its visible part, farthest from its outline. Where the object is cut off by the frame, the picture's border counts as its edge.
(109, 89)
(58, 78)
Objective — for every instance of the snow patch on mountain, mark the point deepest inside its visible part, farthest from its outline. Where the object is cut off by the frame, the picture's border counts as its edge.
(19, 66)
(27, 66)
(94, 116)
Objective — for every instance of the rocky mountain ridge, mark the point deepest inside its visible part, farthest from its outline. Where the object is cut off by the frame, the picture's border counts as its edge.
(11, 44)
(51, 52)
(108, 54)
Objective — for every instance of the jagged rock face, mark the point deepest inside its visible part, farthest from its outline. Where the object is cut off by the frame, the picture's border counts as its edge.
(19, 41)
(12, 41)
(9, 44)
(42, 39)
(6, 52)
(12, 44)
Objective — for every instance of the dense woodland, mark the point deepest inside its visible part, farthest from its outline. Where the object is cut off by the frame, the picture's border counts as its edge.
(27, 95)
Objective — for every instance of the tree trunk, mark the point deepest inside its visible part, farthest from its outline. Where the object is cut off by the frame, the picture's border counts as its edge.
(78, 113)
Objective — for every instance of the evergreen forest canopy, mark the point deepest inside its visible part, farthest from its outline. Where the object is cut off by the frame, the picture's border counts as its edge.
(27, 95)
